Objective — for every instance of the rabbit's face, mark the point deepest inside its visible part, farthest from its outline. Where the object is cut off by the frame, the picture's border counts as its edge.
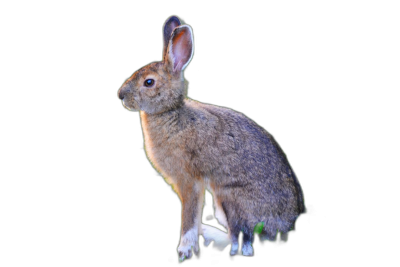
(159, 86)
(152, 89)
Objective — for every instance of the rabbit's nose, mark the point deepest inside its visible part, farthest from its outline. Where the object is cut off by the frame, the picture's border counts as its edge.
(121, 92)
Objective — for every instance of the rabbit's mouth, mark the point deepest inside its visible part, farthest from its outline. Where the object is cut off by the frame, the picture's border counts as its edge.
(128, 107)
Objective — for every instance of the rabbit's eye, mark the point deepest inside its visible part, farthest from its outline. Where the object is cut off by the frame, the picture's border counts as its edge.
(148, 82)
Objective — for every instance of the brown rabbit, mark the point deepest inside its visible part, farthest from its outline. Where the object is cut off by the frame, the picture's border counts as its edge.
(197, 146)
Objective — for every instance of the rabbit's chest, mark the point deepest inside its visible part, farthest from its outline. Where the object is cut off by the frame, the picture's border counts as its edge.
(165, 153)
(165, 148)
(194, 149)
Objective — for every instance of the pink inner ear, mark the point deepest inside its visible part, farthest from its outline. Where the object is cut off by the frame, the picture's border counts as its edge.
(181, 47)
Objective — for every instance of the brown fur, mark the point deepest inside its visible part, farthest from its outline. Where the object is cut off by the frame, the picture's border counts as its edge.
(196, 146)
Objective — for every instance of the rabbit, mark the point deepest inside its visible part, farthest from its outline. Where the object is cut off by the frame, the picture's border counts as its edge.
(198, 147)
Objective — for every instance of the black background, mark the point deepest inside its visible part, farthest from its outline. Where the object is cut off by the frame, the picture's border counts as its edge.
(100, 200)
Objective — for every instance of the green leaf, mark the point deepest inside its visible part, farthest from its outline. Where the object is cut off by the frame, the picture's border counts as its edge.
(258, 228)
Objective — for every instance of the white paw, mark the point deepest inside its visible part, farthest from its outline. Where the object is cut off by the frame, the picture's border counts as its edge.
(220, 238)
(188, 242)
(247, 249)
(187, 252)
(234, 248)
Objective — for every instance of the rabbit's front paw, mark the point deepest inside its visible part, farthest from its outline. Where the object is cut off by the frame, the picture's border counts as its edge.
(188, 242)
(187, 252)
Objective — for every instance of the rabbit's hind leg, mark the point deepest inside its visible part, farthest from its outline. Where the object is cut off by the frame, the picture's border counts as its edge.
(236, 226)
(210, 233)
(247, 239)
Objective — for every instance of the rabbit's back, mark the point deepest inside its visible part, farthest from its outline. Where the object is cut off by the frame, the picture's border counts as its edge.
(254, 173)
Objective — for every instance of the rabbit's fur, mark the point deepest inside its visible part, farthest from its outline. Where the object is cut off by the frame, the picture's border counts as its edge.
(198, 146)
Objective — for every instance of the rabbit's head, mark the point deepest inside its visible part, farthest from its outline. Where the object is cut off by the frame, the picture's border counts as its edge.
(160, 86)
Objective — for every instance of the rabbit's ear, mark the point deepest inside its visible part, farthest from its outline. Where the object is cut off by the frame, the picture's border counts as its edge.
(180, 48)
(169, 26)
